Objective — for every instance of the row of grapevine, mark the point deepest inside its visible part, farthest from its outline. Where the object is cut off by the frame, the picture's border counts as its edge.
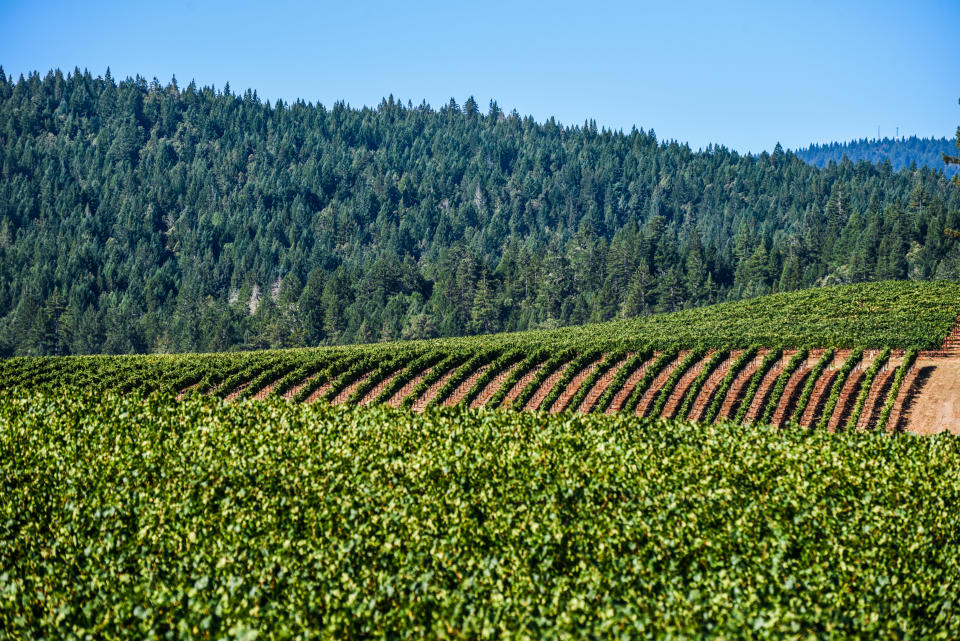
(752, 385)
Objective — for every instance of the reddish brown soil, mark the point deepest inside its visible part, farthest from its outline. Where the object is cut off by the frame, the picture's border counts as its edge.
(878, 395)
(705, 397)
(262, 394)
(818, 400)
(601, 386)
(646, 401)
(232, 396)
(422, 402)
(464, 387)
(935, 405)
(760, 399)
(735, 394)
(345, 393)
(913, 382)
(375, 391)
(187, 390)
(407, 388)
(791, 393)
(319, 392)
(573, 387)
(848, 396)
(216, 388)
(520, 385)
(290, 393)
(624, 393)
(493, 386)
(929, 399)
(850, 392)
(545, 388)
(680, 391)
(821, 391)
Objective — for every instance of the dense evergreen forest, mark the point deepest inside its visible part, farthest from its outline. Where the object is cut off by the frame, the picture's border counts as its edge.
(139, 217)
(902, 153)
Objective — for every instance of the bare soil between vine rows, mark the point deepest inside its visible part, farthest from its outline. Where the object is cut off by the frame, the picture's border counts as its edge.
(936, 406)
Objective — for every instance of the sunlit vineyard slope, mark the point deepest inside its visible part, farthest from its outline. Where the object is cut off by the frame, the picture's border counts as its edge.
(833, 358)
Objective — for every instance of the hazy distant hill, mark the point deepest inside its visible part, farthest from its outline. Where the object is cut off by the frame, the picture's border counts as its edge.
(902, 152)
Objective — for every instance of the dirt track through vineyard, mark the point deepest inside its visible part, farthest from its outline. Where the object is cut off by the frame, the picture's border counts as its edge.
(601, 386)
(491, 388)
(464, 387)
(573, 387)
(936, 406)
(545, 388)
(932, 402)
(628, 386)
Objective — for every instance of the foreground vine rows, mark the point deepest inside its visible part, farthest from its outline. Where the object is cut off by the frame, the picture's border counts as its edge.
(129, 516)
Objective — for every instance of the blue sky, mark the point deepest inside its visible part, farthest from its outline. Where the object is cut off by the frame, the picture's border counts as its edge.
(742, 74)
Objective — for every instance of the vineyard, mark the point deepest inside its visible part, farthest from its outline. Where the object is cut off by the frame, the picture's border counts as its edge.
(126, 517)
(834, 358)
(717, 472)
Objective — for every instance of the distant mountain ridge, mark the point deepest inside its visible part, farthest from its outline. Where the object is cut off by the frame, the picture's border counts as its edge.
(901, 152)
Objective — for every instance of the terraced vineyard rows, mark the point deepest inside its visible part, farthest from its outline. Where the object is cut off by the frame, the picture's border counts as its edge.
(667, 384)
(581, 369)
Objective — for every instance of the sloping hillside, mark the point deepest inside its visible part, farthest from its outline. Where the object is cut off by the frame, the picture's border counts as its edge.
(833, 358)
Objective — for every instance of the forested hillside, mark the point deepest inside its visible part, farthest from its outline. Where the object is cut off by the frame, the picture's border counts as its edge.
(902, 153)
(139, 217)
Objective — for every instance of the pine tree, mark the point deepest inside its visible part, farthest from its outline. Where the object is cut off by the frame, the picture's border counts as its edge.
(791, 276)
(640, 293)
(364, 335)
(483, 314)
(696, 271)
(311, 309)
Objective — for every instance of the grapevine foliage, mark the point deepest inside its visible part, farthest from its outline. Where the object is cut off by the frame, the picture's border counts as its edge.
(123, 516)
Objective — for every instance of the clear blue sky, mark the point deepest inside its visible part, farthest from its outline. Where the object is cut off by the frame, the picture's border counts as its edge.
(743, 74)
